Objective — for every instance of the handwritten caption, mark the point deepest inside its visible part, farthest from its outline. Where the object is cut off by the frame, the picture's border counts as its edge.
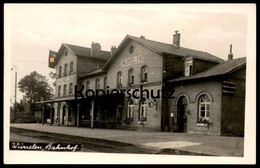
(44, 146)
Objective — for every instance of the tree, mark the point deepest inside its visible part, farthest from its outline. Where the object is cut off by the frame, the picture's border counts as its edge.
(52, 75)
(35, 87)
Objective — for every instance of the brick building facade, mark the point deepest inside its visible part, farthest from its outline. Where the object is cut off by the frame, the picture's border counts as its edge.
(162, 87)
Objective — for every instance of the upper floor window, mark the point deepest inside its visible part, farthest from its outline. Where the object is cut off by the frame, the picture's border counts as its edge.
(131, 77)
(105, 83)
(71, 67)
(65, 90)
(60, 69)
(87, 85)
(65, 69)
(142, 110)
(188, 67)
(59, 90)
(119, 79)
(70, 88)
(131, 49)
(97, 83)
(65, 52)
(204, 107)
(143, 74)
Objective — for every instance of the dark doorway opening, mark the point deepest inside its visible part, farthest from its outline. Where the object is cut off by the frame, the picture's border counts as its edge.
(181, 114)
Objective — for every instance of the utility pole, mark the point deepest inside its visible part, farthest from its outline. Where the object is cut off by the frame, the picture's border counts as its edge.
(15, 92)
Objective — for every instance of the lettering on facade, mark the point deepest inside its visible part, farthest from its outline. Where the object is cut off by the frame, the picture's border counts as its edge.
(65, 79)
(131, 61)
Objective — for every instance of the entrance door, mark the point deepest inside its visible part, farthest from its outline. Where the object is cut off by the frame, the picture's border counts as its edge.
(63, 114)
(181, 115)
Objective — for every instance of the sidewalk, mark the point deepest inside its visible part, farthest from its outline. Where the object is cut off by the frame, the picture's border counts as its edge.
(205, 144)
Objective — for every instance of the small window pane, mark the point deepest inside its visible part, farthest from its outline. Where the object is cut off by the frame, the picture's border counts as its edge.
(202, 113)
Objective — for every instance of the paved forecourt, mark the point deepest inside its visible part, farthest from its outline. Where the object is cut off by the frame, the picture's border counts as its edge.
(205, 144)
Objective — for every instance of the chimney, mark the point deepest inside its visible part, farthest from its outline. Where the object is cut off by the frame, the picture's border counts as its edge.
(176, 39)
(230, 55)
(142, 37)
(95, 49)
(113, 50)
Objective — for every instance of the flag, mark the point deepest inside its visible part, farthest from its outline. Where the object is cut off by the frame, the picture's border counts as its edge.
(52, 56)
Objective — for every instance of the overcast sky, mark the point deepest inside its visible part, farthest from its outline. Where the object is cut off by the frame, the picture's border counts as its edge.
(33, 30)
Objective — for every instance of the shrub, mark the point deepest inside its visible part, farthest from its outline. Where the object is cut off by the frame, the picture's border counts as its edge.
(25, 118)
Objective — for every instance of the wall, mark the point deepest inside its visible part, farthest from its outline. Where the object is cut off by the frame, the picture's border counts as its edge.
(153, 113)
(233, 108)
(192, 90)
(92, 80)
(153, 61)
(70, 77)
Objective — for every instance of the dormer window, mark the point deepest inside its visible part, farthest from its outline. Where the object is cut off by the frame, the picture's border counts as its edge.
(188, 67)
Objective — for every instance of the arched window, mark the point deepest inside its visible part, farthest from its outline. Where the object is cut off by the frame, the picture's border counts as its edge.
(119, 79)
(142, 110)
(204, 107)
(143, 74)
(71, 67)
(65, 52)
(60, 69)
(65, 69)
(59, 90)
(65, 90)
(130, 109)
(105, 83)
(87, 85)
(131, 77)
(70, 89)
(97, 83)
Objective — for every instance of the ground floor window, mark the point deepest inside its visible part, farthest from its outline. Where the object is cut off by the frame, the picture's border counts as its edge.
(130, 109)
(142, 110)
(204, 110)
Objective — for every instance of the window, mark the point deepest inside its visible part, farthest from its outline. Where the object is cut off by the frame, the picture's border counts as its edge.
(105, 83)
(204, 107)
(131, 77)
(130, 109)
(59, 90)
(65, 53)
(70, 89)
(143, 74)
(60, 68)
(119, 79)
(65, 69)
(87, 85)
(65, 90)
(142, 110)
(97, 83)
(71, 67)
(131, 49)
(188, 67)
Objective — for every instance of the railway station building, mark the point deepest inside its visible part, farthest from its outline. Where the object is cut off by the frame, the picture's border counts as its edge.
(149, 86)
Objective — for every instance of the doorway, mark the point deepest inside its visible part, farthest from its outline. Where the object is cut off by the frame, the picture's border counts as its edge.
(181, 114)
(63, 114)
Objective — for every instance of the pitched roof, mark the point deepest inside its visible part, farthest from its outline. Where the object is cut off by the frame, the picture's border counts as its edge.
(164, 48)
(84, 51)
(98, 71)
(78, 51)
(220, 69)
(170, 49)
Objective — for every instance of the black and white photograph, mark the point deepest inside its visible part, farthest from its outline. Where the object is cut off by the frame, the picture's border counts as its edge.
(129, 83)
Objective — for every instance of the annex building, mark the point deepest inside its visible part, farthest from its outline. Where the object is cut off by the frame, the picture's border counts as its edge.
(147, 85)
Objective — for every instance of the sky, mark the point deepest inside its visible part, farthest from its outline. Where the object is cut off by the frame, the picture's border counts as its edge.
(32, 30)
